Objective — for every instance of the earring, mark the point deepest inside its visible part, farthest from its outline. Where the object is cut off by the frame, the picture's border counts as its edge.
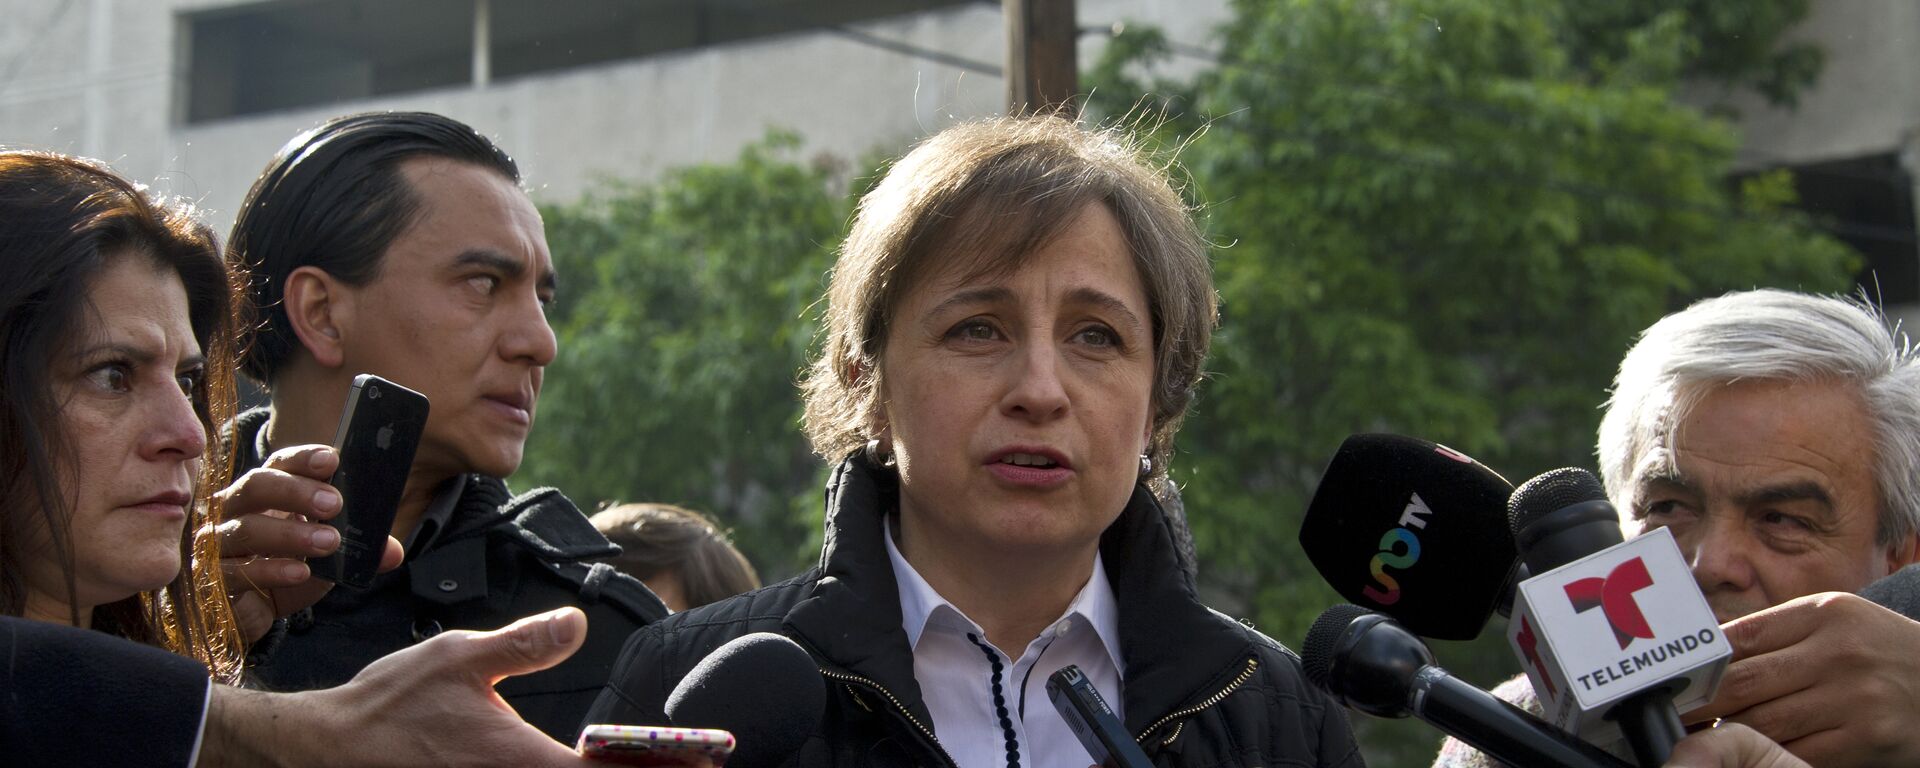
(1146, 465)
(875, 455)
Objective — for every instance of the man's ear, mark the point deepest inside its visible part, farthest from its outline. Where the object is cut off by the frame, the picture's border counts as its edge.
(319, 310)
(1904, 552)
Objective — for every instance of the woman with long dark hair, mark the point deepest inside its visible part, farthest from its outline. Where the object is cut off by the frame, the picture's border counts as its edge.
(116, 328)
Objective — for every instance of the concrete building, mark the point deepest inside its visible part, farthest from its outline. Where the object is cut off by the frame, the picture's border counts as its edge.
(1853, 141)
(193, 96)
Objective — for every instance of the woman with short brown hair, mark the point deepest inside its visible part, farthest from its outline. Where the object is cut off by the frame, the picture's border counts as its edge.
(1014, 330)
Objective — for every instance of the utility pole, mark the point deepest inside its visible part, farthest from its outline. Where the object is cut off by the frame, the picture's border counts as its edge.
(1042, 69)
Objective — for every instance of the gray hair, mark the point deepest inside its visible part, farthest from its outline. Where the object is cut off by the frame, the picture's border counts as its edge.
(1771, 334)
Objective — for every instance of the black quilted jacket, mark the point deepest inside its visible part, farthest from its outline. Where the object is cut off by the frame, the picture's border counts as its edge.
(1200, 689)
(500, 558)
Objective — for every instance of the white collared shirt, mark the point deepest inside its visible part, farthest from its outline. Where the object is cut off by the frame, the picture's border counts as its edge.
(951, 663)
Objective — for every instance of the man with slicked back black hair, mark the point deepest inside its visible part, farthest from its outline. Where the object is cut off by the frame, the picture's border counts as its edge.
(401, 244)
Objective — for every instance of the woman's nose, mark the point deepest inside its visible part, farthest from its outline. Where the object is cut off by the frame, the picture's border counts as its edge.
(1037, 392)
(174, 431)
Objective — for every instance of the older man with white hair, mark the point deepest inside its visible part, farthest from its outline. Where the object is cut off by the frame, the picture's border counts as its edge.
(1777, 436)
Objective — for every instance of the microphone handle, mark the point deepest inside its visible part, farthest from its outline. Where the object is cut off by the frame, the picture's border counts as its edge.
(1497, 728)
(1651, 725)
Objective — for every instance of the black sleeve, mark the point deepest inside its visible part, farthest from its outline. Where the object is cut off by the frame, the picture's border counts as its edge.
(636, 693)
(1899, 592)
(78, 697)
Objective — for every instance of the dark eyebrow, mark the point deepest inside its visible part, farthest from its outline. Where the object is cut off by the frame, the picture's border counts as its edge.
(504, 264)
(987, 295)
(995, 294)
(1802, 491)
(139, 356)
(136, 355)
(1667, 477)
(1105, 301)
(1753, 497)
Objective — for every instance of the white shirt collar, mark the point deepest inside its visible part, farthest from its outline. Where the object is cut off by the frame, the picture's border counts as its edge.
(921, 605)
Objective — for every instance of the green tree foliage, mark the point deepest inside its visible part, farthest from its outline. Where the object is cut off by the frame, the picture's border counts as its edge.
(684, 319)
(1435, 218)
(1735, 44)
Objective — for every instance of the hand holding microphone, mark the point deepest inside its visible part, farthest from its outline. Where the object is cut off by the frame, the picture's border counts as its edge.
(1731, 745)
(1832, 676)
(1613, 635)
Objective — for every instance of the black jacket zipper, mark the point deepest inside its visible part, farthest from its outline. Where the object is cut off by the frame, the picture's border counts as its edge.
(1253, 663)
(898, 707)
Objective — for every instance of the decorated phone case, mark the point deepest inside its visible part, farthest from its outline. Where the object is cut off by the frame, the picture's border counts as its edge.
(655, 745)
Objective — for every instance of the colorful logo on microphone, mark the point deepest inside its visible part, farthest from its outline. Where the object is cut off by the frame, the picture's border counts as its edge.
(1452, 454)
(1613, 595)
(1399, 549)
(1530, 647)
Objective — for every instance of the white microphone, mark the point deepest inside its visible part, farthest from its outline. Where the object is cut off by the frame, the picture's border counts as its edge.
(1615, 636)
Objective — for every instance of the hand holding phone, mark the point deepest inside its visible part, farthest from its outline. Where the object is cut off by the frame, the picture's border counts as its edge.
(379, 432)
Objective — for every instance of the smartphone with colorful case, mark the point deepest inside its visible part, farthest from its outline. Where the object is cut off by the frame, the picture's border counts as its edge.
(655, 745)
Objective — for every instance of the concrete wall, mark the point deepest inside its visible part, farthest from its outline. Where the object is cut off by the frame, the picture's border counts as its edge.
(100, 78)
(1865, 101)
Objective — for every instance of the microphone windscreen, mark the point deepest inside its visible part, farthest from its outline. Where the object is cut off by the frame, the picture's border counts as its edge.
(1414, 530)
(1550, 492)
(763, 688)
(1316, 654)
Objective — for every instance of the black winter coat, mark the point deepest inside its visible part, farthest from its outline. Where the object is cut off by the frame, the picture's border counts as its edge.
(1200, 689)
(71, 696)
(499, 559)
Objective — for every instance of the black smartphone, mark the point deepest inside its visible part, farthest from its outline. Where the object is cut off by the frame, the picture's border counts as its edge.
(1093, 721)
(379, 432)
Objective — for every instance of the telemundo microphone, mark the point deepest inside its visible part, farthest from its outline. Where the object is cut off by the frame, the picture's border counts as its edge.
(1614, 635)
(1414, 530)
(1371, 663)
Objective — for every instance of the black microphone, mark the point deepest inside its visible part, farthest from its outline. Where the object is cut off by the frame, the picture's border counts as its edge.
(1092, 721)
(1563, 516)
(1372, 664)
(761, 687)
(1415, 530)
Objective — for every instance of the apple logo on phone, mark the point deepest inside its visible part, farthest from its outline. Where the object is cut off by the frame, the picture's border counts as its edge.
(383, 439)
